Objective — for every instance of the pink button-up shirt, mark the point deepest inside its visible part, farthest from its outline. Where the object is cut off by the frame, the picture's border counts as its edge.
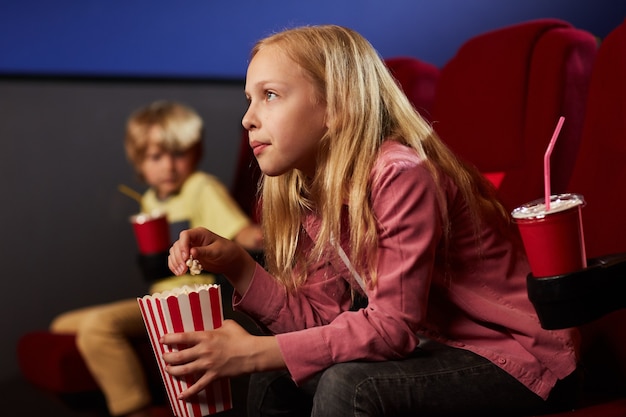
(477, 301)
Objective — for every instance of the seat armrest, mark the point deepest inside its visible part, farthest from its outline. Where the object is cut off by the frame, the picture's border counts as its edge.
(580, 297)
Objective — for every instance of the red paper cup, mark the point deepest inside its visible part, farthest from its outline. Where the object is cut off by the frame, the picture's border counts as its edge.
(186, 309)
(553, 240)
(152, 232)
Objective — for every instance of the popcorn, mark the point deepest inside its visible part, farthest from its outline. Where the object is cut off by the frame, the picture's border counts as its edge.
(194, 266)
(186, 309)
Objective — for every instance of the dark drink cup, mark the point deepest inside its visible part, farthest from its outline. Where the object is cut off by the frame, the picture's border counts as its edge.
(152, 232)
(553, 239)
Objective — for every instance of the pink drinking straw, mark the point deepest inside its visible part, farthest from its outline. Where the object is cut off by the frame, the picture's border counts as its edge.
(546, 161)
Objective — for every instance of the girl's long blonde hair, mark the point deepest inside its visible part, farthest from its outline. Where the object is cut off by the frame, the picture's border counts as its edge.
(365, 106)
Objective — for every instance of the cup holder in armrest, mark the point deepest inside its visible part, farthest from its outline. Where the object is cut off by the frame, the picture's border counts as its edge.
(580, 297)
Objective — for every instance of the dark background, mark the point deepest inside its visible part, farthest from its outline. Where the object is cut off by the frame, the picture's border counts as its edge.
(72, 71)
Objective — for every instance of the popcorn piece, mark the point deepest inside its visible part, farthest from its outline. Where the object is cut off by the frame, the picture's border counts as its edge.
(194, 266)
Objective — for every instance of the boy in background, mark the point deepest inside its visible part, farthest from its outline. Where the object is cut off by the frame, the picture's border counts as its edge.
(164, 145)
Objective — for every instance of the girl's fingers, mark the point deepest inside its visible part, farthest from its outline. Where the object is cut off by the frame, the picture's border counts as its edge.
(175, 360)
(179, 255)
(174, 262)
(181, 249)
(196, 387)
(183, 338)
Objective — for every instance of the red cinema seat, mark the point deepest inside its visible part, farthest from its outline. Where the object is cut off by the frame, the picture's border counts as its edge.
(595, 299)
(499, 98)
(418, 79)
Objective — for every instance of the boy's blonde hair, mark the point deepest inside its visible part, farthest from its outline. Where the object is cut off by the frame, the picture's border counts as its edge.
(181, 129)
(365, 106)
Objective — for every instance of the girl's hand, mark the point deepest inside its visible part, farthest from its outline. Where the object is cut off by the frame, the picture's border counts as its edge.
(181, 249)
(224, 352)
(215, 253)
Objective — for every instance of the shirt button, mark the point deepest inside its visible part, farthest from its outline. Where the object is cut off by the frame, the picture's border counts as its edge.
(501, 361)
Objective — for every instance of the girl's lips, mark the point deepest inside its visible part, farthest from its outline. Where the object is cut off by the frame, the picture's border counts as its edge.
(257, 148)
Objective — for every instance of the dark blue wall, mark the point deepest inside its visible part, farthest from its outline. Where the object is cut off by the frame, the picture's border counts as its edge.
(211, 38)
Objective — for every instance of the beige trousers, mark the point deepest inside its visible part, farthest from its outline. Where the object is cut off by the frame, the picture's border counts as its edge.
(103, 333)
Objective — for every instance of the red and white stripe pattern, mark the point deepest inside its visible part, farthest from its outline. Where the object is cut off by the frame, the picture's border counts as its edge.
(186, 309)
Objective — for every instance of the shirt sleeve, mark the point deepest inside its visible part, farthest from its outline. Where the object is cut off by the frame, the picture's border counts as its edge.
(405, 203)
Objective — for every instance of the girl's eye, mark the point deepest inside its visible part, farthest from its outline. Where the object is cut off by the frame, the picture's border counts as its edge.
(270, 95)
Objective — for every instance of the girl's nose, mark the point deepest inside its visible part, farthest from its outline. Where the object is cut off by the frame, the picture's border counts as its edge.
(248, 121)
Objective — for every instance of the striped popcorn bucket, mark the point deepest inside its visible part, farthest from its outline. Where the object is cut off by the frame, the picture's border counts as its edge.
(186, 309)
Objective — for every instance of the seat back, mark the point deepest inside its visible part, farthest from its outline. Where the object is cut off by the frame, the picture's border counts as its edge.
(600, 171)
(499, 98)
(418, 79)
(600, 176)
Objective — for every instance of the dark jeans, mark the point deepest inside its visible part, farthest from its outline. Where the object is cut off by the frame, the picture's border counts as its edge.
(435, 381)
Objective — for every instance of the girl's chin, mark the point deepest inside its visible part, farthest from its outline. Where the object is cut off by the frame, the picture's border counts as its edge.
(272, 171)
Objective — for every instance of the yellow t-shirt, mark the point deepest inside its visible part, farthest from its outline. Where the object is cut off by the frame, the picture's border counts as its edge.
(203, 201)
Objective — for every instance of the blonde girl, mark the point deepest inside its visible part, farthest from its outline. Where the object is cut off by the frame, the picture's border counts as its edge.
(361, 197)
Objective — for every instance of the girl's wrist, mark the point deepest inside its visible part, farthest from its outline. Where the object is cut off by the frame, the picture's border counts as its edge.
(267, 355)
(241, 270)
